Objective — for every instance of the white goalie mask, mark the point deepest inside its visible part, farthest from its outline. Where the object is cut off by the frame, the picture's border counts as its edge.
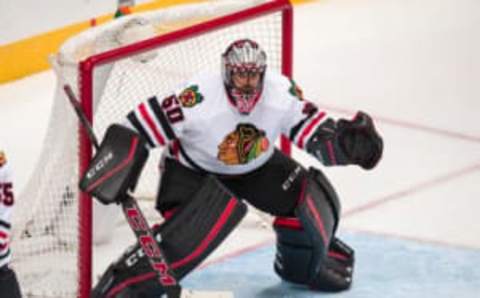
(244, 56)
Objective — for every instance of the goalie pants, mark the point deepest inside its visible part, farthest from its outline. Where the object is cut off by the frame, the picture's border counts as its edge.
(274, 188)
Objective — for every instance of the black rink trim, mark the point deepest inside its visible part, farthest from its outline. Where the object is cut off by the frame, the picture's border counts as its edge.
(138, 126)
(157, 110)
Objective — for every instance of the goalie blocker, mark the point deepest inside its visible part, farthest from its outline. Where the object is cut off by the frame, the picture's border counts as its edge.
(116, 166)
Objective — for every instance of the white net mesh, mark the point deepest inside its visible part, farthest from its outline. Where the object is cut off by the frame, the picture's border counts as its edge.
(46, 237)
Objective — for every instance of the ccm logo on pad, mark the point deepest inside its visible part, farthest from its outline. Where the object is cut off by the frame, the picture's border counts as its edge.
(99, 165)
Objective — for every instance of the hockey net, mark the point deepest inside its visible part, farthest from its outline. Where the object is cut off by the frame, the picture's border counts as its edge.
(111, 68)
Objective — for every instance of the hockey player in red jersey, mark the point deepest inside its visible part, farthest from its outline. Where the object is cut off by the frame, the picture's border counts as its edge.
(219, 131)
(8, 281)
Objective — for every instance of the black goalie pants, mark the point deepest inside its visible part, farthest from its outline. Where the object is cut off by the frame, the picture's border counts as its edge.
(274, 188)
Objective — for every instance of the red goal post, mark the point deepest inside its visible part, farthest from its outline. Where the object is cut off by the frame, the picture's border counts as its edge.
(109, 83)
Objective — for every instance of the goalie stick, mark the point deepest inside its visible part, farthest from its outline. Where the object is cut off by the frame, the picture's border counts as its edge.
(141, 229)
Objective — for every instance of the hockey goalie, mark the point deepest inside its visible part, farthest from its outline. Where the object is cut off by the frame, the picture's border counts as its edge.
(9, 286)
(219, 130)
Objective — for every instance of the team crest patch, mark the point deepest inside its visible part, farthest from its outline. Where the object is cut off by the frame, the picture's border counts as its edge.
(295, 90)
(190, 97)
(242, 145)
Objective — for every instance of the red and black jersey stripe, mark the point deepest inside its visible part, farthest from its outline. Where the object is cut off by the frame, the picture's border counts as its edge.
(4, 242)
(138, 126)
(5, 225)
(303, 130)
(153, 102)
(150, 121)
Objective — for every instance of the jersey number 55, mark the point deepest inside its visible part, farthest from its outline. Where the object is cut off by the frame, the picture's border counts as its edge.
(6, 194)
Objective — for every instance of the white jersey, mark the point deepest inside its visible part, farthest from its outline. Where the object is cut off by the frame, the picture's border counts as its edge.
(6, 205)
(204, 130)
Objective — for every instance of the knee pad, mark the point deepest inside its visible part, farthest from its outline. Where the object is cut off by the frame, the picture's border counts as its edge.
(191, 234)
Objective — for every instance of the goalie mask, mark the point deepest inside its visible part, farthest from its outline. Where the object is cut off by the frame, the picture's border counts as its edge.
(243, 71)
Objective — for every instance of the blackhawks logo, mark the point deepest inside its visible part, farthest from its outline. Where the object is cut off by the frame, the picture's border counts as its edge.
(242, 145)
(295, 90)
(190, 96)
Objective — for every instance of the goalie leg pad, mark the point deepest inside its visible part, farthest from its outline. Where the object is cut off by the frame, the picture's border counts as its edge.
(318, 210)
(304, 243)
(342, 253)
(295, 259)
(336, 273)
(298, 261)
(193, 232)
